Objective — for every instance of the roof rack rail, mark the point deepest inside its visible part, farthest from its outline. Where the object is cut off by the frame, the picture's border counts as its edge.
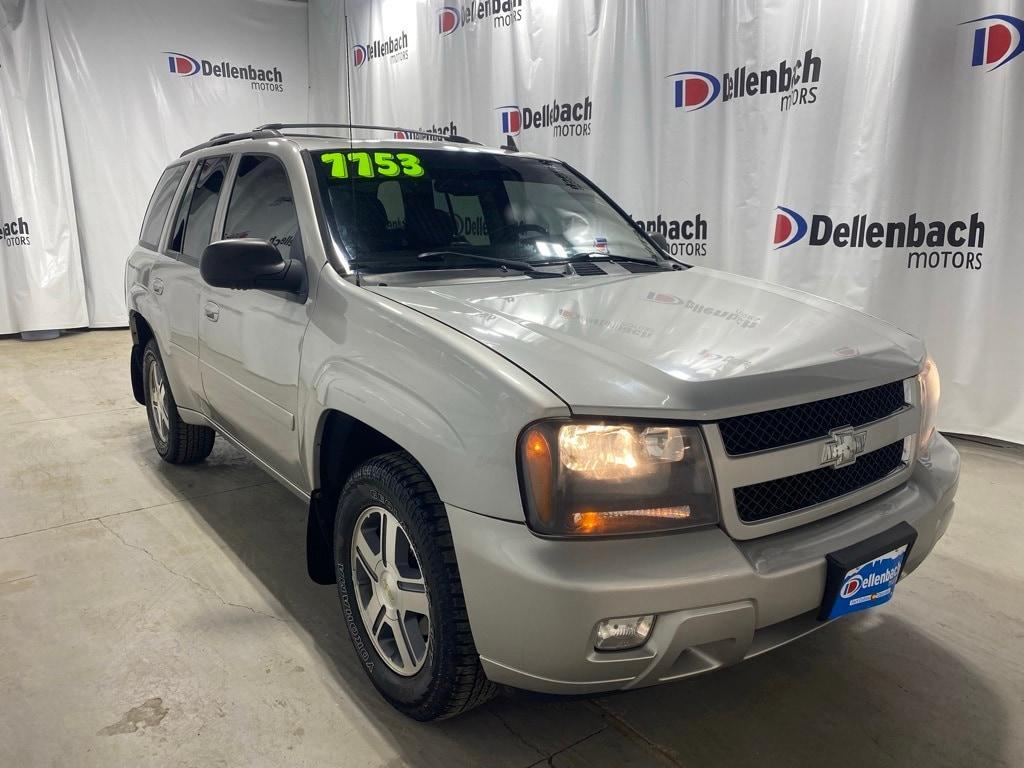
(226, 138)
(440, 136)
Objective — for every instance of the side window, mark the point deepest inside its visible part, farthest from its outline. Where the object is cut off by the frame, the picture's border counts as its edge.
(159, 204)
(262, 204)
(193, 224)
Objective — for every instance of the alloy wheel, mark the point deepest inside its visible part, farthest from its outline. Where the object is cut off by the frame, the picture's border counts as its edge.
(390, 590)
(158, 401)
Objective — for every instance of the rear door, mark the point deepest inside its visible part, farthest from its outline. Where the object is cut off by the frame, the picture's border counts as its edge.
(175, 280)
(249, 341)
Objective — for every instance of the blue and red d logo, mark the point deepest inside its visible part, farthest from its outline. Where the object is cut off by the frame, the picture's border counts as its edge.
(695, 90)
(511, 119)
(181, 64)
(997, 40)
(448, 20)
(790, 226)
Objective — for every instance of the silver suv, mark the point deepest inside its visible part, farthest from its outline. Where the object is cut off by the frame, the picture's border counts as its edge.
(537, 451)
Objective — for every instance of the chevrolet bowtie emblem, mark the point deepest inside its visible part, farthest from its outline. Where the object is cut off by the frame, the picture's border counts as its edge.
(843, 447)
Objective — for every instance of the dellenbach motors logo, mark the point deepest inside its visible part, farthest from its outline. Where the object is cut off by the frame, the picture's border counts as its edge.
(423, 134)
(931, 244)
(502, 13)
(15, 232)
(394, 48)
(686, 237)
(260, 78)
(564, 118)
(797, 82)
(997, 40)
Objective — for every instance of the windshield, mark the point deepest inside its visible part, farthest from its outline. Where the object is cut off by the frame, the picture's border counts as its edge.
(392, 206)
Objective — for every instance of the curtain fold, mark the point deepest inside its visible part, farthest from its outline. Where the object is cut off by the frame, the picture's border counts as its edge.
(41, 279)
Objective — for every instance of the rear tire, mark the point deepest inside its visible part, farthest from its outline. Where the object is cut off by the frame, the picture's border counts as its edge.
(430, 681)
(175, 441)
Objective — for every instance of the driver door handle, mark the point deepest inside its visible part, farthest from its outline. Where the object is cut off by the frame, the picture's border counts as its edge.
(212, 311)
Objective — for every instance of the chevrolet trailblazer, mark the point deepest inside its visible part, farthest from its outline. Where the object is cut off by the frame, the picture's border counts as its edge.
(537, 450)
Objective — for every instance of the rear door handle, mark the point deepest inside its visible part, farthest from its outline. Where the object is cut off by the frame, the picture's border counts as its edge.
(158, 286)
(212, 311)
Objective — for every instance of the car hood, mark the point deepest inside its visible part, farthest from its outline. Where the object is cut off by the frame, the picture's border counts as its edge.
(695, 343)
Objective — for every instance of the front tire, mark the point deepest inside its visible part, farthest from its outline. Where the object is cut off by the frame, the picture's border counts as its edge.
(401, 594)
(175, 441)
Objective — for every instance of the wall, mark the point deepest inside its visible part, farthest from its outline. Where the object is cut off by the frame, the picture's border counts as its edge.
(849, 122)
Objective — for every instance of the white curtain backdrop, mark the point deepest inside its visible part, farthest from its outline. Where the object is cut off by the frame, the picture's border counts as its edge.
(128, 114)
(868, 152)
(691, 115)
(41, 283)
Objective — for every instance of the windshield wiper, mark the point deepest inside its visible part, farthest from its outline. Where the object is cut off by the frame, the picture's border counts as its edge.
(522, 266)
(598, 256)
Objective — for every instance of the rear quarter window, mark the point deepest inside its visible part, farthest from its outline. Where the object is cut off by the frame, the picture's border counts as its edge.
(159, 205)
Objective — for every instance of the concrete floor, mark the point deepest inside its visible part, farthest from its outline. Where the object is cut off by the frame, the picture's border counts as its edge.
(158, 615)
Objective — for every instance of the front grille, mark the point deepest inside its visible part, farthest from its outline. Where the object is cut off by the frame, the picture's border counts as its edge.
(808, 421)
(762, 501)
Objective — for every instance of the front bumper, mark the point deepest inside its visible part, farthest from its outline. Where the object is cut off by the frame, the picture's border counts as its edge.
(533, 603)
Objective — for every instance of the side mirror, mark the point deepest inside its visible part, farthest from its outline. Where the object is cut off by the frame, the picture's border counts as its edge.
(246, 262)
(660, 241)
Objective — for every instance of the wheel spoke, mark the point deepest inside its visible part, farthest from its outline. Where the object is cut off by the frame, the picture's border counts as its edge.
(404, 651)
(365, 554)
(389, 535)
(410, 600)
(375, 609)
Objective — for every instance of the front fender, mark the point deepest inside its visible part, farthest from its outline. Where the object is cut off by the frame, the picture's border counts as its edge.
(454, 405)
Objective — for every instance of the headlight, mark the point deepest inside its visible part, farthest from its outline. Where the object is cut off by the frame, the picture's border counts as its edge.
(929, 381)
(601, 479)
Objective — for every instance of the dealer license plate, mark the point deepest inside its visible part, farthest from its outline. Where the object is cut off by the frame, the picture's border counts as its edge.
(859, 577)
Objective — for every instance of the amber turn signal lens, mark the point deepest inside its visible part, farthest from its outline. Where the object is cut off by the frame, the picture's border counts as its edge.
(541, 474)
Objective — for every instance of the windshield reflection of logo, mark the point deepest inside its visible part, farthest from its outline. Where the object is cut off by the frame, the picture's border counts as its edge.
(695, 90)
(790, 226)
(448, 20)
(997, 42)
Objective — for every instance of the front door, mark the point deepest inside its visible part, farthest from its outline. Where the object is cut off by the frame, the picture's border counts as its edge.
(249, 341)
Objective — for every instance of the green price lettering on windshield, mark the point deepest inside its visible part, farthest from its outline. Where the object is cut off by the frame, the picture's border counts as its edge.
(366, 166)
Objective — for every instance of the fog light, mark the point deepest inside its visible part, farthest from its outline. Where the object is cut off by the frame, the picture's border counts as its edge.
(623, 633)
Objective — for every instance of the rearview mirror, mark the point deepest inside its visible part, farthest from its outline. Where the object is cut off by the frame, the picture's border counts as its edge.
(247, 262)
